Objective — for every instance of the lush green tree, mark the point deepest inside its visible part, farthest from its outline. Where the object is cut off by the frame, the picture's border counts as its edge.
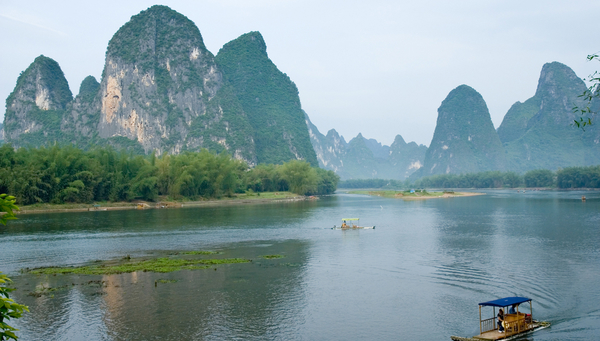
(7, 208)
(327, 181)
(9, 309)
(578, 177)
(58, 174)
(539, 178)
(300, 176)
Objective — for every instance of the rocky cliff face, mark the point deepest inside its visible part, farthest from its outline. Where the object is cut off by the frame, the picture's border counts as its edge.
(464, 140)
(269, 98)
(538, 133)
(329, 149)
(162, 88)
(35, 107)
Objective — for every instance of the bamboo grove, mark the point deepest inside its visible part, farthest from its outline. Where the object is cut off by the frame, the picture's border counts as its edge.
(61, 174)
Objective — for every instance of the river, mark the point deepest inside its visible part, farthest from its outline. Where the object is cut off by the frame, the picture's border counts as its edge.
(418, 275)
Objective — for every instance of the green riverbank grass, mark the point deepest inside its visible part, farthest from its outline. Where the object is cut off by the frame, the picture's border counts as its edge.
(162, 202)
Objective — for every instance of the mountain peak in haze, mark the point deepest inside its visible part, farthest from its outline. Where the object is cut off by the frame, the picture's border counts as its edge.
(464, 140)
(538, 133)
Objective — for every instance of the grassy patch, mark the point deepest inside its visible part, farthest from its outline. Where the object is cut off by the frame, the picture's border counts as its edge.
(273, 256)
(70, 206)
(152, 265)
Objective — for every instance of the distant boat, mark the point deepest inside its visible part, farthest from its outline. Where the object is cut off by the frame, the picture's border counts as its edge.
(351, 223)
(515, 323)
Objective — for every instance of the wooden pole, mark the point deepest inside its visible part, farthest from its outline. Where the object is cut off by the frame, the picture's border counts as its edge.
(480, 327)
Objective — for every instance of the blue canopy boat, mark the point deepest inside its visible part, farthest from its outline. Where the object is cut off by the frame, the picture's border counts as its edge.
(515, 323)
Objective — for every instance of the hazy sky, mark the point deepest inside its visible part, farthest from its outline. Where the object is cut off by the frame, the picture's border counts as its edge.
(381, 68)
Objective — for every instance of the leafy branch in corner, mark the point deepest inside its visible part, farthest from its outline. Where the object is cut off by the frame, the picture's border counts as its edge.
(8, 307)
(586, 114)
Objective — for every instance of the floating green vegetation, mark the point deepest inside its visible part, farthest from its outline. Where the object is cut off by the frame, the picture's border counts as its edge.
(201, 253)
(44, 289)
(272, 256)
(151, 265)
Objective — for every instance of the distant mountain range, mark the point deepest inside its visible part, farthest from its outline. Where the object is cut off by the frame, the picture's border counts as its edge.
(363, 158)
(162, 90)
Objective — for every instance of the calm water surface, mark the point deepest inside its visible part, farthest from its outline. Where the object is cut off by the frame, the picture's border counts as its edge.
(418, 276)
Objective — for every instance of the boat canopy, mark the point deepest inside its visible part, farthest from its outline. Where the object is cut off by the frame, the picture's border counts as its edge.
(345, 219)
(505, 302)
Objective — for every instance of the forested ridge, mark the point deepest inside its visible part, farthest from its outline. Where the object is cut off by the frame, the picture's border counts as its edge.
(570, 177)
(61, 174)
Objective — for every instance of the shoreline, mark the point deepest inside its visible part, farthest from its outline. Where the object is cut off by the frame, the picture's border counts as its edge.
(445, 195)
(412, 197)
(164, 204)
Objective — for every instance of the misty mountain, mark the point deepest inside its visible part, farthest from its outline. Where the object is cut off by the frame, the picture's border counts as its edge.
(464, 140)
(363, 158)
(539, 133)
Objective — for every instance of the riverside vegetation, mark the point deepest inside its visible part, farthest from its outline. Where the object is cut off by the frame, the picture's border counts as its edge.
(67, 174)
(570, 177)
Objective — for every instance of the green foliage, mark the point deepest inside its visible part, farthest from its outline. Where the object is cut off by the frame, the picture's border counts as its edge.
(488, 179)
(301, 178)
(9, 309)
(372, 183)
(578, 177)
(58, 174)
(539, 178)
(593, 91)
(7, 208)
(296, 176)
(327, 181)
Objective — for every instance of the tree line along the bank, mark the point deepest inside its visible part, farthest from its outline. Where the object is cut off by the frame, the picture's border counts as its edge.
(570, 177)
(65, 174)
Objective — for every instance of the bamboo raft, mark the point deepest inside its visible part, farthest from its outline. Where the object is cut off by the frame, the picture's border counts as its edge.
(513, 325)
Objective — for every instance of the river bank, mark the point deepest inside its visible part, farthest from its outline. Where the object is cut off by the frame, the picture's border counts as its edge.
(407, 195)
(164, 203)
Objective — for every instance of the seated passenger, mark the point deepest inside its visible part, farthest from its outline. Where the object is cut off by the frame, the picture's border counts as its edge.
(513, 309)
(501, 320)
